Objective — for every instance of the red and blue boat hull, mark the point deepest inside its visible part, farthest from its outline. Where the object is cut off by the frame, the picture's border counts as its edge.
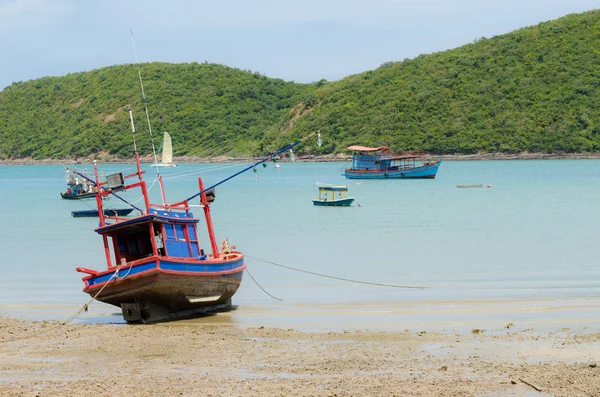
(157, 289)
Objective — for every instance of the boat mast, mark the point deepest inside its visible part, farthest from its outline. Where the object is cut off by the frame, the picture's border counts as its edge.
(101, 216)
(159, 176)
(138, 165)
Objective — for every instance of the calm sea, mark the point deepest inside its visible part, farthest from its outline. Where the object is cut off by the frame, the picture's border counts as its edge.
(523, 251)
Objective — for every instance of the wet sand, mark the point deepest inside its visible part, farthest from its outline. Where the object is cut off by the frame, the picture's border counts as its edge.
(191, 359)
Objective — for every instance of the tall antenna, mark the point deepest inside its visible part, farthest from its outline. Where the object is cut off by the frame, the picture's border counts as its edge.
(162, 192)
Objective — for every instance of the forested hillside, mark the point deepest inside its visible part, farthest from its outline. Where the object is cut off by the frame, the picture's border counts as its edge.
(535, 89)
(208, 110)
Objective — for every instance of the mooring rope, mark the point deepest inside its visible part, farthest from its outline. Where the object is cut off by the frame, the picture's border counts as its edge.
(334, 277)
(260, 286)
(70, 318)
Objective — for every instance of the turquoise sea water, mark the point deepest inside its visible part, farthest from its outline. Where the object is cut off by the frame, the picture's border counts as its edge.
(524, 250)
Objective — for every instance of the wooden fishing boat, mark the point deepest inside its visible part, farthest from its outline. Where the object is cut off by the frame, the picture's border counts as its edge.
(107, 212)
(78, 186)
(380, 163)
(157, 268)
(333, 196)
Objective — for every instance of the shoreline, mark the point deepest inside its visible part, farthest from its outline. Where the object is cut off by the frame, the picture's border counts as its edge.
(308, 158)
(182, 358)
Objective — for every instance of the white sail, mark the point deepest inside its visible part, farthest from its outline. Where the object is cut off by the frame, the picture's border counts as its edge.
(167, 154)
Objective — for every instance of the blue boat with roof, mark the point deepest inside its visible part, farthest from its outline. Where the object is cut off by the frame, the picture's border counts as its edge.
(381, 163)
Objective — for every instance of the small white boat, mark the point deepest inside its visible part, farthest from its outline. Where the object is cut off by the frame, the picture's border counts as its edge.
(167, 153)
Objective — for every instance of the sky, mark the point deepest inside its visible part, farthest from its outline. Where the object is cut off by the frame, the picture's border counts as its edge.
(302, 41)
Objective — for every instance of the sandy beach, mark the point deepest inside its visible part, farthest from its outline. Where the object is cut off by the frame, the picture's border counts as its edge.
(265, 358)
(183, 358)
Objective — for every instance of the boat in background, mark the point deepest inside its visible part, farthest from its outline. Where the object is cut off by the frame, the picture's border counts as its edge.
(381, 163)
(333, 196)
(78, 185)
(107, 212)
(167, 152)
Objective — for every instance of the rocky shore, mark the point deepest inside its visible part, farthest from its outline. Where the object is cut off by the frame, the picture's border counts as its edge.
(308, 158)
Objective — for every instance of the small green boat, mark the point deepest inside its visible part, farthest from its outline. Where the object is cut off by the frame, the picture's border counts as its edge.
(333, 196)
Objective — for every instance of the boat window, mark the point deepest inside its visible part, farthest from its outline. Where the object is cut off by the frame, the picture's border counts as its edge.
(170, 232)
(122, 245)
(134, 246)
(179, 231)
(192, 233)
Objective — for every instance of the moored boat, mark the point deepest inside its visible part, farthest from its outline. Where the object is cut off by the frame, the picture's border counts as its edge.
(78, 185)
(333, 196)
(157, 269)
(381, 163)
(107, 212)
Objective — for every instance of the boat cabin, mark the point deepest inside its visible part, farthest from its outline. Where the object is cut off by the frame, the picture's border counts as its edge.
(381, 159)
(369, 158)
(160, 233)
(333, 193)
(395, 163)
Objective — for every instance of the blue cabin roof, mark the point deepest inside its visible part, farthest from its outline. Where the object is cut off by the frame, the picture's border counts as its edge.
(164, 216)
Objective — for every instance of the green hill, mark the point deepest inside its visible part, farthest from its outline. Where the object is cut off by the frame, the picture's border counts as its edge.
(207, 109)
(535, 89)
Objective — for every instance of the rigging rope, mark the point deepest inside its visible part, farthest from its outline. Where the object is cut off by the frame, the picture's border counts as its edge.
(149, 189)
(72, 317)
(334, 277)
(201, 171)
